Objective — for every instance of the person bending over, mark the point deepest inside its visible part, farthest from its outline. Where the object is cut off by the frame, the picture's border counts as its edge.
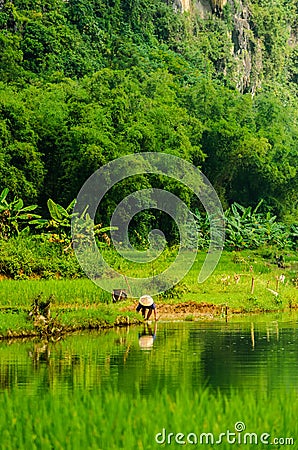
(146, 305)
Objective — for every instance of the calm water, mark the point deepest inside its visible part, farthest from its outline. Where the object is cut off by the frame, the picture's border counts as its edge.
(250, 355)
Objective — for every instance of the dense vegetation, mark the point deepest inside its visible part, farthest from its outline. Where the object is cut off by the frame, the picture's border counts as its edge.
(31, 246)
(84, 82)
(111, 419)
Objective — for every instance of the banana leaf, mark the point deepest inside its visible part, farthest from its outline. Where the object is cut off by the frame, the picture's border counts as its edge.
(17, 204)
(29, 208)
(3, 194)
(57, 212)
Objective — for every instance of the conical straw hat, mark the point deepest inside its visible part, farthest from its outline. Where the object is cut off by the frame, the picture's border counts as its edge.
(146, 300)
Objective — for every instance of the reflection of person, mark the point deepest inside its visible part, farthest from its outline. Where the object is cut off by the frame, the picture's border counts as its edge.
(147, 338)
(147, 305)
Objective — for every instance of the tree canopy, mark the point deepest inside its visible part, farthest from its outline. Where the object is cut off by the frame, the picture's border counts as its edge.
(84, 82)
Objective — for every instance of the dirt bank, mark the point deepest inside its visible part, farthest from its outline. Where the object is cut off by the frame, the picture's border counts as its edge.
(189, 310)
(201, 311)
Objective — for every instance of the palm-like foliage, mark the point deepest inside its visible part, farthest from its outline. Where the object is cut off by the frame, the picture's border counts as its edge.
(246, 227)
(60, 223)
(249, 228)
(14, 216)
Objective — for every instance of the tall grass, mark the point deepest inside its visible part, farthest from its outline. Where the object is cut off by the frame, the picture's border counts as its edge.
(110, 420)
(219, 288)
(65, 292)
(16, 321)
(75, 303)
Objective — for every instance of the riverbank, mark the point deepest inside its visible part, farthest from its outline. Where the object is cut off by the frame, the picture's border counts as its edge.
(16, 323)
(193, 311)
(19, 323)
(243, 283)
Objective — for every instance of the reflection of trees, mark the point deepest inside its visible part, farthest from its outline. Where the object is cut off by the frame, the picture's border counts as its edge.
(189, 355)
(250, 356)
(80, 361)
(170, 362)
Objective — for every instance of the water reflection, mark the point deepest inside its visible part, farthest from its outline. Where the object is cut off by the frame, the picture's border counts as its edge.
(147, 336)
(248, 355)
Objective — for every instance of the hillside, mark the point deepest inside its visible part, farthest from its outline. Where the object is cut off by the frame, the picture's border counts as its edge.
(215, 82)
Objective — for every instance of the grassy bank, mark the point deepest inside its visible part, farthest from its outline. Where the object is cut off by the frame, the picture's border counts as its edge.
(247, 281)
(110, 420)
(75, 304)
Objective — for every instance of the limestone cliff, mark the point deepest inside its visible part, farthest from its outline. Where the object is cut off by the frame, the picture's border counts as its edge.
(203, 6)
(245, 47)
(185, 5)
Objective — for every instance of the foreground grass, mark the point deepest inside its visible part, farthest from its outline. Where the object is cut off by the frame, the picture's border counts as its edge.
(111, 420)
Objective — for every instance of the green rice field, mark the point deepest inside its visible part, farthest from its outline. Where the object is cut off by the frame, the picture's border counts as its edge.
(111, 420)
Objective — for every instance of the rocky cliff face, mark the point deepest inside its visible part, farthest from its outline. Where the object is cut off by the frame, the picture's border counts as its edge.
(203, 6)
(245, 48)
(183, 5)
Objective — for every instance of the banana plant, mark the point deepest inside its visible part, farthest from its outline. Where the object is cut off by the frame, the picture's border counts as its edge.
(60, 225)
(15, 218)
(294, 235)
(248, 228)
(85, 229)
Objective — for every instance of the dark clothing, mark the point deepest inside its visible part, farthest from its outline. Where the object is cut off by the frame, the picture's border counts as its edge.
(142, 307)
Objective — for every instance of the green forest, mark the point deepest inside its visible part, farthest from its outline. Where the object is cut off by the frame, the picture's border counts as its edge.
(83, 82)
